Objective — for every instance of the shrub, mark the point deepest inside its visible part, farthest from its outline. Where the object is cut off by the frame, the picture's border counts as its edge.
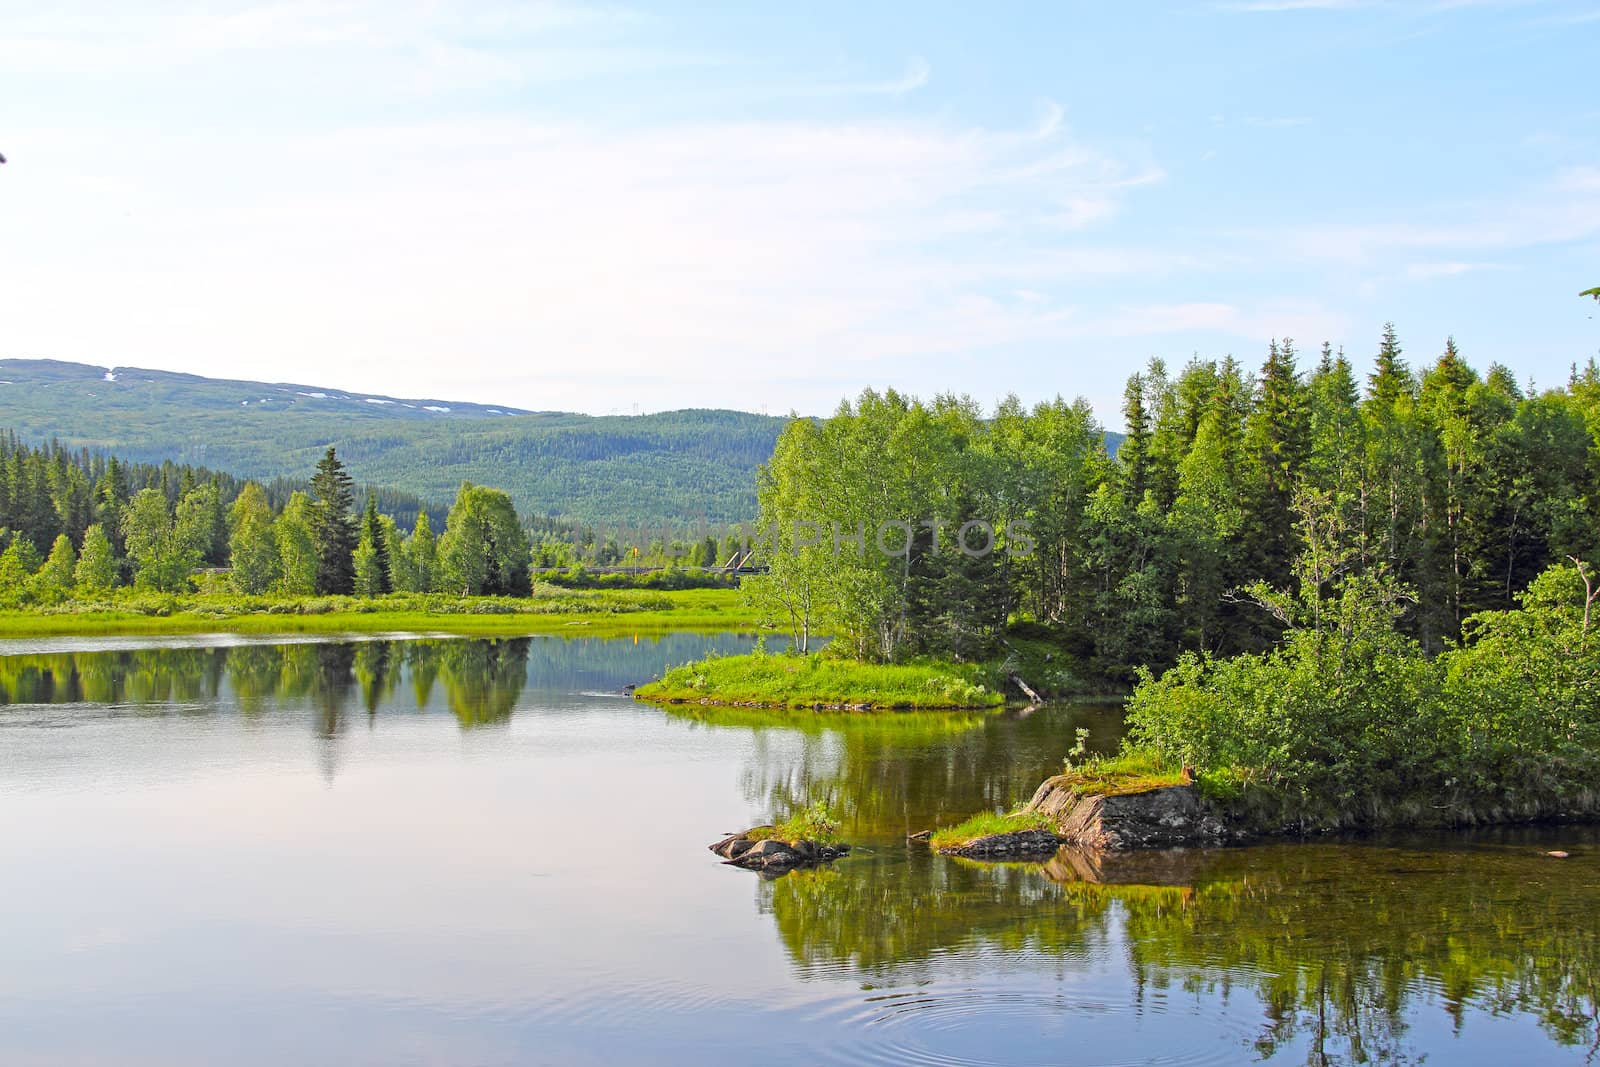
(1351, 717)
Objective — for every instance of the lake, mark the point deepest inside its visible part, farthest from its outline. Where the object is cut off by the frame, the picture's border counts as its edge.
(462, 851)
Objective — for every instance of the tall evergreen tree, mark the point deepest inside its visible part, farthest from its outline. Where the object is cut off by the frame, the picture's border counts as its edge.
(1276, 447)
(1134, 452)
(1394, 477)
(1167, 443)
(332, 525)
(375, 576)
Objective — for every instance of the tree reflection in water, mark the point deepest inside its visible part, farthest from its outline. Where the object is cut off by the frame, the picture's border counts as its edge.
(890, 774)
(1337, 948)
(483, 679)
(1342, 945)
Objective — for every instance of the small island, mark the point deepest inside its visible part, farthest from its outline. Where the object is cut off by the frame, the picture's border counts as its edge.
(808, 838)
(819, 680)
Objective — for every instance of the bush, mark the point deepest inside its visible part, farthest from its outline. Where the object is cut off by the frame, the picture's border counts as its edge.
(1353, 720)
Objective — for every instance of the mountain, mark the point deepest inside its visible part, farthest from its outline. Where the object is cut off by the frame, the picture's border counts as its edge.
(676, 466)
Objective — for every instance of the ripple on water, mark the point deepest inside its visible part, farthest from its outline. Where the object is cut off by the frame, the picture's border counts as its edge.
(996, 1025)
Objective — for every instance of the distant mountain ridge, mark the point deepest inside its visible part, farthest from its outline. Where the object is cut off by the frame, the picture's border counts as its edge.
(675, 467)
(49, 371)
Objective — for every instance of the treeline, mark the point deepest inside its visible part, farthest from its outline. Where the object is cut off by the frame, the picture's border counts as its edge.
(50, 490)
(166, 529)
(1459, 485)
(582, 547)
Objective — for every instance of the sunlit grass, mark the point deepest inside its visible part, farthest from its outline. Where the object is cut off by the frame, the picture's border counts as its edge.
(1129, 771)
(815, 823)
(607, 613)
(988, 825)
(821, 680)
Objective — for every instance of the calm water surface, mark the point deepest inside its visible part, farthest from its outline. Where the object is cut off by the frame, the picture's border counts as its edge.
(482, 852)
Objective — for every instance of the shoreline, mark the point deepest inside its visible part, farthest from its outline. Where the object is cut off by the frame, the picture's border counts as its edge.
(1181, 815)
(820, 682)
(602, 614)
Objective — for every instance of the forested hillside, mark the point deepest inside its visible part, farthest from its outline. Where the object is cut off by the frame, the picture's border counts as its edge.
(671, 467)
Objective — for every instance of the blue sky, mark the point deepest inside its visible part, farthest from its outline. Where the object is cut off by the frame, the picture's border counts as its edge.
(595, 207)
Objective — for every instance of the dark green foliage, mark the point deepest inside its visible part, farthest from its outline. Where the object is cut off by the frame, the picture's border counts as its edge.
(332, 526)
(377, 574)
(1460, 488)
(1353, 720)
(484, 550)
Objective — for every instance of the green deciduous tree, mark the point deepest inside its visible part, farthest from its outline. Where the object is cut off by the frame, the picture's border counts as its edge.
(54, 581)
(253, 542)
(297, 548)
(421, 554)
(484, 549)
(18, 564)
(163, 558)
(96, 571)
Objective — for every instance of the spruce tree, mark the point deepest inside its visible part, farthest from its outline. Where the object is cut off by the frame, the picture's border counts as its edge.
(1275, 450)
(1134, 453)
(379, 579)
(1394, 461)
(332, 527)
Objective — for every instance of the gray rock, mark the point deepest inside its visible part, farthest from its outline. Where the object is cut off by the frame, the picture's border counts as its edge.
(1159, 818)
(1020, 843)
(772, 855)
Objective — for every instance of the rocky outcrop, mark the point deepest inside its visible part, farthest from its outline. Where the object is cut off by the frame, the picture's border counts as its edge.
(1166, 817)
(1018, 844)
(755, 851)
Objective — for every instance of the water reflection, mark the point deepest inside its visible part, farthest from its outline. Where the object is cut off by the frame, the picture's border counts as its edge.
(1342, 945)
(481, 681)
(483, 678)
(190, 786)
(894, 774)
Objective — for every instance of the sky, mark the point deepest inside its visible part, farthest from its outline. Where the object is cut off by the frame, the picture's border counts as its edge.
(618, 207)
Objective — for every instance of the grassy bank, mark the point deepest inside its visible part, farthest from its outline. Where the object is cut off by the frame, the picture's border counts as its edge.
(820, 680)
(987, 825)
(549, 609)
(1131, 771)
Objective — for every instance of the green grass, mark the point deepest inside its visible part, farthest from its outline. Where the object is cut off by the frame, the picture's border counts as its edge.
(548, 610)
(1130, 771)
(987, 825)
(820, 680)
(817, 823)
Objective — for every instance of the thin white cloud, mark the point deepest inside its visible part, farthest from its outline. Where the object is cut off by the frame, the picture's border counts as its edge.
(1559, 210)
(1430, 271)
(917, 74)
(1280, 122)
